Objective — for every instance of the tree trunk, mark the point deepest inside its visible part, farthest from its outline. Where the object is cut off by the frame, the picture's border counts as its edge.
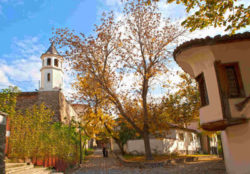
(120, 146)
(121, 149)
(147, 144)
(118, 142)
(145, 114)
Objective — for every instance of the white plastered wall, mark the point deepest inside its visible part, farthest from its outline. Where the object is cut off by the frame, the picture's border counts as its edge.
(56, 74)
(236, 52)
(166, 145)
(235, 139)
(236, 147)
(202, 60)
(45, 84)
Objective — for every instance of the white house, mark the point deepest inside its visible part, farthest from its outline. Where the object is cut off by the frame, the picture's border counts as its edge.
(176, 140)
(221, 66)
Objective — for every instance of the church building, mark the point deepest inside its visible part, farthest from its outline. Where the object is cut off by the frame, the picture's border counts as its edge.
(50, 92)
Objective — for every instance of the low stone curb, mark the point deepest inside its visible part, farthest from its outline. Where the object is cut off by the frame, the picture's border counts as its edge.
(154, 164)
(208, 157)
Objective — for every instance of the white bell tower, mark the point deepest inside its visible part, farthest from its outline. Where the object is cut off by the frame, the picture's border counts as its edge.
(51, 71)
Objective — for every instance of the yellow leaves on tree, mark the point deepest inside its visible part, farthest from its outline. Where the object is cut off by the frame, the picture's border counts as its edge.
(35, 135)
(102, 64)
(227, 13)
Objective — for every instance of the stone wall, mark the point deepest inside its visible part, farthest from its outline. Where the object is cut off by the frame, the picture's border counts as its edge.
(2, 141)
(51, 100)
(55, 100)
(66, 110)
(26, 100)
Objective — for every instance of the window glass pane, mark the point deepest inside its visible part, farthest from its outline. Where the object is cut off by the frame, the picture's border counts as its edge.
(49, 61)
(48, 77)
(191, 137)
(203, 90)
(181, 136)
(56, 62)
(233, 85)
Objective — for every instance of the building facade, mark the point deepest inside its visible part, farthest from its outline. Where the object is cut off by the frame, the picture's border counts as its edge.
(50, 92)
(221, 66)
(51, 71)
(176, 140)
(51, 95)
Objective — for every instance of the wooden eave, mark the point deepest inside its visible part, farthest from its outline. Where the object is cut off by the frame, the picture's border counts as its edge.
(222, 124)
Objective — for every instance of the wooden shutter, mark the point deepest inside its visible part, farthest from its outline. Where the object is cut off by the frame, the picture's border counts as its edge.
(223, 88)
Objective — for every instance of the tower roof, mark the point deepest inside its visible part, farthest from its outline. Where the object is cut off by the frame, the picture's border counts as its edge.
(52, 49)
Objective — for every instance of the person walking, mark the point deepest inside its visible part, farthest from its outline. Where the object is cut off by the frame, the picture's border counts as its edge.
(104, 149)
(107, 147)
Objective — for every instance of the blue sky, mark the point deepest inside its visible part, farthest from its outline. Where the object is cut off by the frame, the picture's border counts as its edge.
(21, 19)
(26, 26)
(25, 29)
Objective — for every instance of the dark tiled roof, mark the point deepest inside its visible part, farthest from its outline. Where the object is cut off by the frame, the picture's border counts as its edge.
(52, 49)
(211, 41)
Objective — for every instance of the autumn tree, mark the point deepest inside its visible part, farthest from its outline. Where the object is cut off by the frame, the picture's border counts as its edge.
(27, 129)
(8, 100)
(96, 118)
(182, 107)
(34, 134)
(63, 141)
(137, 46)
(204, 13)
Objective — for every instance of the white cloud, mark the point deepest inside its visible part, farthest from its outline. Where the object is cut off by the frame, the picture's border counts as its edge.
(4, 81)
(68, 79)
(173, 10)
(113, 2)
(22, 66)
(178, 14)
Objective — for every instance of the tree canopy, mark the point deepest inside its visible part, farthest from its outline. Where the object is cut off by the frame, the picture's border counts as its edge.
(35, 135)
(230, 14)
(182, 107)
(8, 100)
(138, 46)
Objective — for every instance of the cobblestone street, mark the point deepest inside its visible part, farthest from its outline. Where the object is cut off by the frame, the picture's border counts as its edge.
(96, 164)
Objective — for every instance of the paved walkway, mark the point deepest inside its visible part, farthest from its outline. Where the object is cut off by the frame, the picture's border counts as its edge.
(96, 164)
